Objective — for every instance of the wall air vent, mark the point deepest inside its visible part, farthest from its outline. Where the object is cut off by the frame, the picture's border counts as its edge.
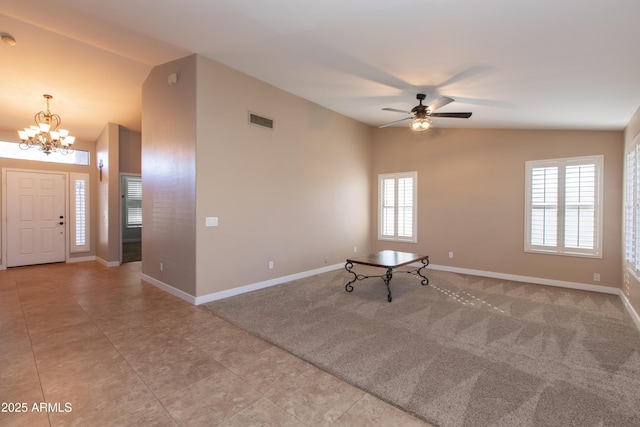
(254, 119)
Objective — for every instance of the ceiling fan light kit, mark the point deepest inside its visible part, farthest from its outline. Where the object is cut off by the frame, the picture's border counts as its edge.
(419, 125)
(420, 114)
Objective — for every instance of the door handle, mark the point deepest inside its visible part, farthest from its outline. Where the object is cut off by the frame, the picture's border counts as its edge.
(61, 223)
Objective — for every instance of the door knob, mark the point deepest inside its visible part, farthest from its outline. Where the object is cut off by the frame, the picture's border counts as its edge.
(61, 223)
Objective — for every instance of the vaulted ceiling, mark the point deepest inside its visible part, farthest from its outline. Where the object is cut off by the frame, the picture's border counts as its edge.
(552, 64)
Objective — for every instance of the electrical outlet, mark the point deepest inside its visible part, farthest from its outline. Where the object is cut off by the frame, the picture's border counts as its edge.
(270, 265)
(355, 249)
(596, 277)
(450, 254)
(161, 267)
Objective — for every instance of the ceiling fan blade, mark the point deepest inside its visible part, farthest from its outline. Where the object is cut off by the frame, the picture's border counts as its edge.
(396, 110)
(454, 115)
(394, 122)
(439, 103)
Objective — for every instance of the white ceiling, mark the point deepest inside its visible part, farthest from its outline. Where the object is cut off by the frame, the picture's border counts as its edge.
(553, 64)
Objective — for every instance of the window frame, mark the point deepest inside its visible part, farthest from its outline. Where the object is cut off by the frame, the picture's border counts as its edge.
(631, 235)
(132, 203)
(12, 150)
(79, 237)
(382, 225)
(560, 247)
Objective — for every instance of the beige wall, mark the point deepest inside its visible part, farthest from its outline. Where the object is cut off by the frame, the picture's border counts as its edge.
(169, 175)
(471, 197)
(130, 151)
(297, 195)
(631, 287)
(11, 135)
(108, 195)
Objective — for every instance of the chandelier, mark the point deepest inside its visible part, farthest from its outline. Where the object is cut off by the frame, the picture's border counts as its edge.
(45, 135)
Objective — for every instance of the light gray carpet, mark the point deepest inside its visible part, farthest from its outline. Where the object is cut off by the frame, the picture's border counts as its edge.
(463, 351)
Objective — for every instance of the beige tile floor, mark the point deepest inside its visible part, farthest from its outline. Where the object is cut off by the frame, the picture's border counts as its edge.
(101, 348)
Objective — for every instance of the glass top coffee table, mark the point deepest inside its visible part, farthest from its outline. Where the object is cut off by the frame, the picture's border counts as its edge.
(390, 260)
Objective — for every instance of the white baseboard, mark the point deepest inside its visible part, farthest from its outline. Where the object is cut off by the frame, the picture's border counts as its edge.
(236, 291)
(108, 263)
(632, 312)
(277, 281)
(82, 259)
(169, 289)
(547, 282)
(68, 260)
(267, 283)
(528, 279)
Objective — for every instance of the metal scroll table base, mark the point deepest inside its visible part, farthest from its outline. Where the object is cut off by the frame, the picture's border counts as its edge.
(386, 277)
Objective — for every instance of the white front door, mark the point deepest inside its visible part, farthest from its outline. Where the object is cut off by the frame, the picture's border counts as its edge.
(35, 218)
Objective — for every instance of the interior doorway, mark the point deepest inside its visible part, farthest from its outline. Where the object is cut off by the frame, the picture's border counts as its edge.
(131, 214)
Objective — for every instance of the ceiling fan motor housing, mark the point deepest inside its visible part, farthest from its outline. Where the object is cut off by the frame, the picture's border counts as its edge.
(422, 112)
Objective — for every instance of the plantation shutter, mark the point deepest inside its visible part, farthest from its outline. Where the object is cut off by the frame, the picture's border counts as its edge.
(563, 211)
(636, 207)
(630, 209)
(79, 215)
(388, 207)
(579, 211)
(544, 206)
(134, 202)
(405, 207)
(397, 206)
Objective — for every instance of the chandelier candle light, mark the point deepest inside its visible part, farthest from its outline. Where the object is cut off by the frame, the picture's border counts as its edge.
(45, 135)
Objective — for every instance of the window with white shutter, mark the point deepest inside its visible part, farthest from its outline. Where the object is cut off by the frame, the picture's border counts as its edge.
(563, 206)
(632, 208)
(133, 201)
(79, 213)
(397, 200)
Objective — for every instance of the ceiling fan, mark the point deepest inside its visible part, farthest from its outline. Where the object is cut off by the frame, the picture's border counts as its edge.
(420, 113)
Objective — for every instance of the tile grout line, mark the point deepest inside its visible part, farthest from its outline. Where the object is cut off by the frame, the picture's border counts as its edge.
(155, 396)
(263, 396)
(228, 369)
(33, 355)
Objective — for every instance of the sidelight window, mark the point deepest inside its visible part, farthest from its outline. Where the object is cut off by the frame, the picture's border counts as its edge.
(79, 224)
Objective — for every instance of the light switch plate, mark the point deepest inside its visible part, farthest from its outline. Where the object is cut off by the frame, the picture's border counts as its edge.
(211, 221)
